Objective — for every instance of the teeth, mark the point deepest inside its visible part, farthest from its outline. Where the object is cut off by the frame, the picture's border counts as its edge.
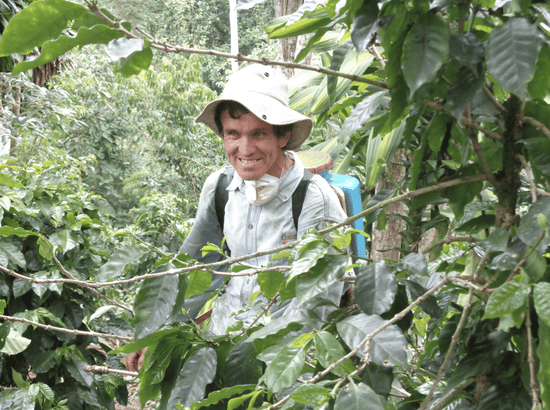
(249, 161)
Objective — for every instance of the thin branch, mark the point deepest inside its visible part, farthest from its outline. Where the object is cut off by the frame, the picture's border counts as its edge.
(532, 184)
(366, 341)
(442, 402)
(494, 100)
(171, 48)
(539, 125)
(63, 330)
(543, 193)
(230, 261)
(465, 121)
(479, 152)
(449, 240)
(380, 59)
(265, 309)
(521, 262)
(95, 292)
(531, 359)
(456, 336)
(107, 369)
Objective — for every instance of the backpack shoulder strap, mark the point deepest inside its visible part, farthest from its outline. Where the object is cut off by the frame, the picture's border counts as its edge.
(299, 196)
(221, 195)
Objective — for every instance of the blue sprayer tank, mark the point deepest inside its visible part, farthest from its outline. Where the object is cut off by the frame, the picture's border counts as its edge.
(320, 163)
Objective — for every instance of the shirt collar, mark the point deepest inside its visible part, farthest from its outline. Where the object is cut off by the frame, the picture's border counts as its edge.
(289, 182)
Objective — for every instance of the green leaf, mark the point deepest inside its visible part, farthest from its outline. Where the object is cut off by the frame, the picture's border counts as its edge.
(285, 368)
(529, 229)
(329, 350)
(154, 304)
(6, 231)
(18, 380)
(236, 402)
(480, 223)
(541, 298)
(414, 263)
(131, 56)
(219, 395)
(309, 394)
(461, 195)
(3, 305)
(378, 378)
(51, 16)
(467, 49)
(278, 28)
(357, 397)
(462, 91)
(361, 114)
(120, 259)
(324, 274)
(430, 306)
(197, 371)
(425, 50)
(198, 283)
(375, 288)
(76, 369)
(511, 54)
(244, 367)
(64, 239)
(540, 84)
(100, 34)
(390, 344)
(281, 326)
(270, 282)
(543, 354)
(310, 254)
(539, 154)
(4, 178)
(506, 299)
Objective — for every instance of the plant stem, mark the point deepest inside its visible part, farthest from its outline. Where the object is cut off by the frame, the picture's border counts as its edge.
(531, 359)
(442, 402)
(95, 292)
(106, 369)
(521, 262)
(63, 330)
(529, 176)
(449, 240)
(171, 48)
(456, 336)
(230, 261)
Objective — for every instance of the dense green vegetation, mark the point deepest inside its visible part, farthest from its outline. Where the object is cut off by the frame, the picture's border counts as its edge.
(102, 186)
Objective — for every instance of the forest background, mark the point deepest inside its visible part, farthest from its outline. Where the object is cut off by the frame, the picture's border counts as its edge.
(439, 108)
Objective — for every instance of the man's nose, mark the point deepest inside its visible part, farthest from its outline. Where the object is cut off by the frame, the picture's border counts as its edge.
(247, 145)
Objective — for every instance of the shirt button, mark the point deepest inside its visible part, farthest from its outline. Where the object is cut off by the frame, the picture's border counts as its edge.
(250, 226)
(248, 281)
(244, 304)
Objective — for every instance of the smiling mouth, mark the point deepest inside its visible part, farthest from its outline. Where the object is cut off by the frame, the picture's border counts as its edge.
(248, 161)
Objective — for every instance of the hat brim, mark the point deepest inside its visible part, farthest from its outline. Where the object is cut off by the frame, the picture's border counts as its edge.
(265, 108)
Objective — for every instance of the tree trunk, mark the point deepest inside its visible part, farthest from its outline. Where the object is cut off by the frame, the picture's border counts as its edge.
(286, 48)
(386, 243)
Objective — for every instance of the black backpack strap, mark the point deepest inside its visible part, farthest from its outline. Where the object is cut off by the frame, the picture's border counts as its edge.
(299, 196)
(222, 196)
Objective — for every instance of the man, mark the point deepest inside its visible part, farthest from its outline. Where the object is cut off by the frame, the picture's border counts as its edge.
(259, 133)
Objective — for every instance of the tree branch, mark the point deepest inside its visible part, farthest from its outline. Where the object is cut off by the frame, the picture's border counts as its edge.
(532, 184)
(107, 369)
(465, 121)
(63, 330)
(449, 240)
(531, 359)
(171, 48)
(442, 402)
(539, 125)
(95, 292)
(456, 336)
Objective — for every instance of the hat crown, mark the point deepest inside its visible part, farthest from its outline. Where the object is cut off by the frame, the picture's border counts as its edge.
(258, 79)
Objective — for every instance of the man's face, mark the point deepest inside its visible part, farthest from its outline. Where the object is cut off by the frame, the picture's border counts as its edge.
(252, 147)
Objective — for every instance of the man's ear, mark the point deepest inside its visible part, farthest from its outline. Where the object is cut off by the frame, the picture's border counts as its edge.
(283, 141)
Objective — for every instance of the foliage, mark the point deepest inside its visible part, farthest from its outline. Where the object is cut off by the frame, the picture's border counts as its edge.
(463, 87)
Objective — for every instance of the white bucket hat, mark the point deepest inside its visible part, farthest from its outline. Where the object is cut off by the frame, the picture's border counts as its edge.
(264, 92)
